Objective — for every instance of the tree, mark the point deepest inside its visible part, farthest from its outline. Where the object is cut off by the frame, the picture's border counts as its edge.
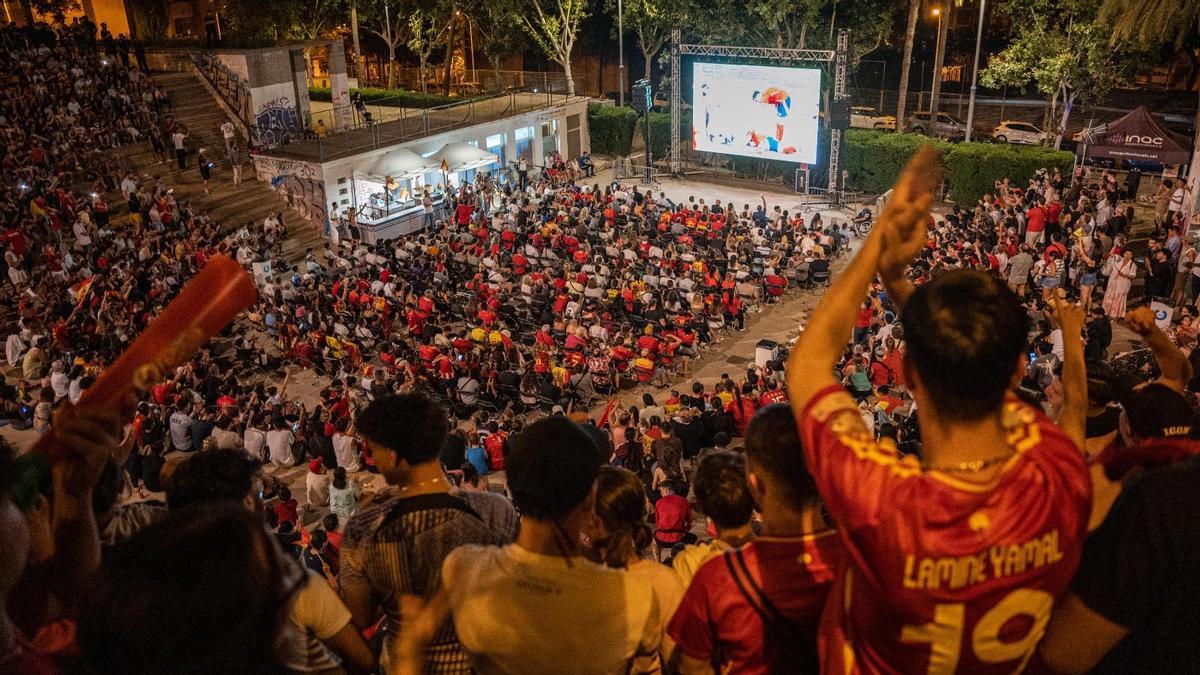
(259, 23)
(652, 21)
(316, 18)
(914, 11)
(1062, 48)
(790, 24)
(385, 19)
(147, 18)
(1150, 23)
(554, 25)
(426, 29)
(499, 27)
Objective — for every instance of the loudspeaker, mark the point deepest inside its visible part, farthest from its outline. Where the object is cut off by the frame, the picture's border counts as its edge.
(640, 99)
(839, 114)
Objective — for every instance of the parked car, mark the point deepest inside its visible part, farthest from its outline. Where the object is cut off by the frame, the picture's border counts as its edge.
(944, 126)
(1012, 131)
(863, 117)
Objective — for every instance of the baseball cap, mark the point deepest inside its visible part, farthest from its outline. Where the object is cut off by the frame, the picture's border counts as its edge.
(1165, 426)
(1156, 411)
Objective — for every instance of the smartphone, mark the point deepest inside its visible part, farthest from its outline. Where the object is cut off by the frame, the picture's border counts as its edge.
(1032, 357)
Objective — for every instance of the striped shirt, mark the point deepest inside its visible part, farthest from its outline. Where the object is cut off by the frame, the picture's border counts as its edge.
(395, 546)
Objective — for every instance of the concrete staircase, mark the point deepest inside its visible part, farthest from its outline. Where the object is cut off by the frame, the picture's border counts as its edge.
(231, 205)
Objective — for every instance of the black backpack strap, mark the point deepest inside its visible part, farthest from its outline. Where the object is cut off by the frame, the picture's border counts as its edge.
(753, 598)
(777, 618)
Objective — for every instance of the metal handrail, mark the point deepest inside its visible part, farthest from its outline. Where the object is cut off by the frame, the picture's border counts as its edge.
(229, 86)
(409, 125)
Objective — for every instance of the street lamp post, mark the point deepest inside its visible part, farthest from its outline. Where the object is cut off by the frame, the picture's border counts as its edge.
(937, 67)
(621, 52)
(975, 70)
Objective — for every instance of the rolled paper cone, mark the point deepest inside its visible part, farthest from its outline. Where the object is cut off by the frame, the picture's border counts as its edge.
(205, 306)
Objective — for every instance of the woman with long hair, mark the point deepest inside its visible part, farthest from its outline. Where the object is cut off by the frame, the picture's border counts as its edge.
(343, 495)
(620, 537)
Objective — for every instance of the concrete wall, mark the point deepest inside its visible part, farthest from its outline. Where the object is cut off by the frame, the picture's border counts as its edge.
(302, 184)
(279, 106)
(339, 85)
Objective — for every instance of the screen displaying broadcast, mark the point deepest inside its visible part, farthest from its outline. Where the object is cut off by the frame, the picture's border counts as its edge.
(766, 112)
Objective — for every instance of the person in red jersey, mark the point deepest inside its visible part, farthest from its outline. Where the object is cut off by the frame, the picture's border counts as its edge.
(955, 560)
(755, 609)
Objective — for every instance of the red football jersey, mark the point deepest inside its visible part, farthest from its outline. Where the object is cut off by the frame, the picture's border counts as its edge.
(944, 575)
(716, 621)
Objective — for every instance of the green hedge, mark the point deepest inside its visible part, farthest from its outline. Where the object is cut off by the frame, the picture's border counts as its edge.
(874, 160)
(397, 97)
(660, 132)
(611, 129)
(973, 168)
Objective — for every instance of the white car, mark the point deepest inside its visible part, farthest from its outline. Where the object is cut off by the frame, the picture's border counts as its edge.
(1024, 133)
(862, 117)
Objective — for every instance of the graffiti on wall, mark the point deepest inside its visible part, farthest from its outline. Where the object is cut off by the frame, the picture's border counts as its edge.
(278, 121)
(301, 184)
(266, 167)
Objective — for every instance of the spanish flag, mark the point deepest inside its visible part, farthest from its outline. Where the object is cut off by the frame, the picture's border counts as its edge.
(612, 403)
(80, 290)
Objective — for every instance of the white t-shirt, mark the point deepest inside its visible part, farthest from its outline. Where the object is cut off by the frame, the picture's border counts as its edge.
(60, 382)
(668, 592)
(181, 430)
(81, 234)
(1176, 200)
(316, 488)
(279, 442)
(346, 452)
(521, 612)
(316, 614)
(225, 439)
(254, 440)
(14, 347)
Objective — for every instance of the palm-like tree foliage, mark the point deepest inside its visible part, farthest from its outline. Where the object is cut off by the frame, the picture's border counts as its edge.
(1152, 21)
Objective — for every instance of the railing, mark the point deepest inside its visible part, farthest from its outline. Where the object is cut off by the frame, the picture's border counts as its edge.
(229, 86)
(471, 81)
(381, 126)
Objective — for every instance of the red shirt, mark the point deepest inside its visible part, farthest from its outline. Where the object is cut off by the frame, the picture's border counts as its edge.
(493, 445)
(1053, 210)
(944, 575)
(1035, 219)
(286, 511)
(741, 415)
(716, 619)
(672, 518)
(864, 317)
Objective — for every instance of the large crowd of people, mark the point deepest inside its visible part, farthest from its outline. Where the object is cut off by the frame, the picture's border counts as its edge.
(952, 472)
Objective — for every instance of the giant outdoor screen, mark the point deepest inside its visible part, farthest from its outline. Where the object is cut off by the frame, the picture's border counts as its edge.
(756, 111)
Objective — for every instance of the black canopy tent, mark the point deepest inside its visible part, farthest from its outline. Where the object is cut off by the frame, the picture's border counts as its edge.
(1135, 137)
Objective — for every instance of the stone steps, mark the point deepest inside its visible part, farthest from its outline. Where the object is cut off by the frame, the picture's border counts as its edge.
(230, 205)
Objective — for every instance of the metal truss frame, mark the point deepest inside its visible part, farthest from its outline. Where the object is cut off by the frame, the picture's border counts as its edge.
(839, 57)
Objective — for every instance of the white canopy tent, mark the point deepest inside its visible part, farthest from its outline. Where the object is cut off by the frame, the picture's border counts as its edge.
(460, 156)
(398, 164)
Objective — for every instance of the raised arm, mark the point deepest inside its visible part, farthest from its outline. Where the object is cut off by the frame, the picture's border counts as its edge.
(1073, 417)
(891, 246)
(1174, 369)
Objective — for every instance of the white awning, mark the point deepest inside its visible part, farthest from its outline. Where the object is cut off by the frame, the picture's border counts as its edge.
(400, 163)
(460, 156)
